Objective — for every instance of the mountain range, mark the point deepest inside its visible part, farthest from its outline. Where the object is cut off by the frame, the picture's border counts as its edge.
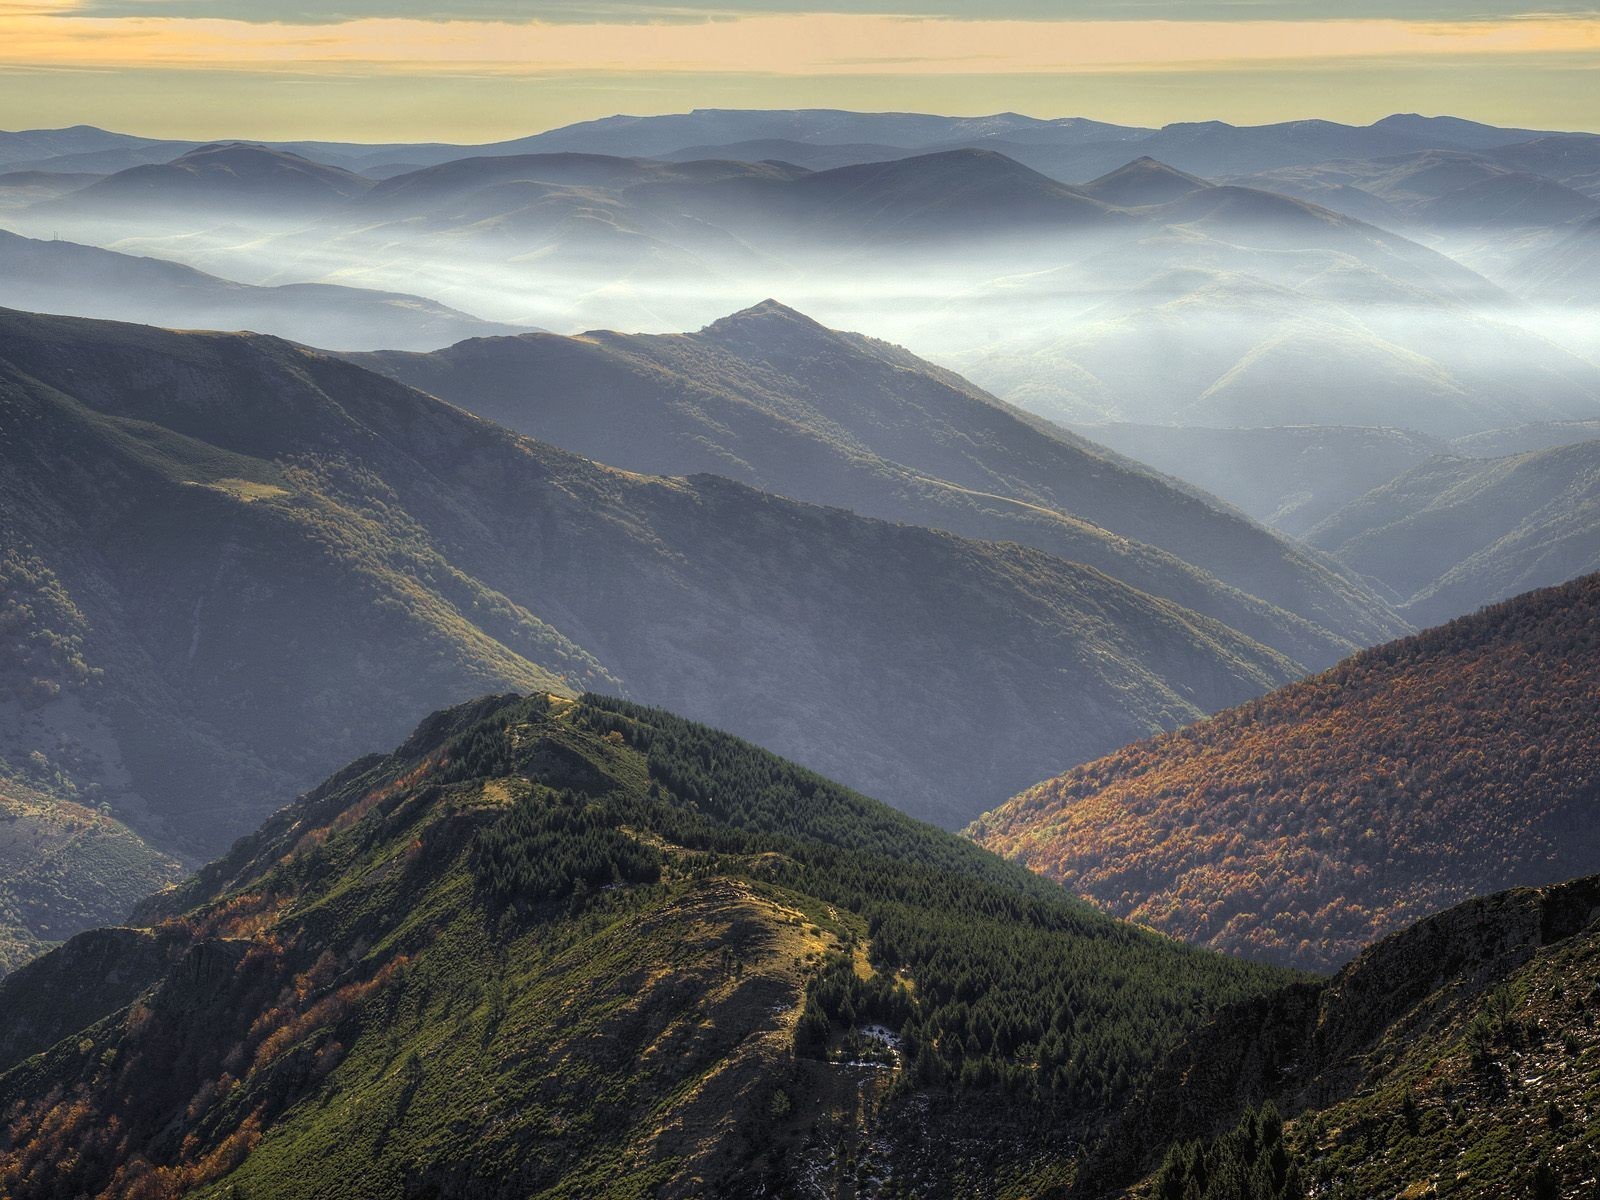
(260, 558)
(579, 947)
(1149, 294)
(1074, 148)
(696, 649)
(771, 398)
(1302, 826)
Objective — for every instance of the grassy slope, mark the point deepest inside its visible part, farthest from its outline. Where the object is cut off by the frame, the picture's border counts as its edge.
(1305, 824)
(368, 991)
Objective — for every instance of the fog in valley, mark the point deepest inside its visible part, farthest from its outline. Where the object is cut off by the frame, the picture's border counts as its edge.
(1287, 317)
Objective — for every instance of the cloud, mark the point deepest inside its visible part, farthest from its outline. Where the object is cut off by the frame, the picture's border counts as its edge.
(667, 11)
(772, 44)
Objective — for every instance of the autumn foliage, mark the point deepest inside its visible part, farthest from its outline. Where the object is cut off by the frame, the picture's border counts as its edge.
(1303, 825)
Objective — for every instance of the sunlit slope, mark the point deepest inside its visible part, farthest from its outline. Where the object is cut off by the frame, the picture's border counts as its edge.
(1301, 826)
(586, 948)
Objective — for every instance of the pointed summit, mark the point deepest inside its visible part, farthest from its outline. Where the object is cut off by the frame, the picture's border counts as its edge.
(1144, 181)
(771, 324)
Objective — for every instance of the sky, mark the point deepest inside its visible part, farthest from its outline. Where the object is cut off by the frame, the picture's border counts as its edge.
(478, 70)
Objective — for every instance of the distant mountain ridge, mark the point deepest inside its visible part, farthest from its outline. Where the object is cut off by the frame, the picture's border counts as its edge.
(86, 281)
(1069, 148)
(1289, 477)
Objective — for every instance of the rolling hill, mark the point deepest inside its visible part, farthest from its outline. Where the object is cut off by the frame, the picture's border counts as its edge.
(235, 175)
(1453, 533)
(1454, 1058)
(1301, 826)
(279, 557)
(773, 399)
(584, 948)
(85, 281)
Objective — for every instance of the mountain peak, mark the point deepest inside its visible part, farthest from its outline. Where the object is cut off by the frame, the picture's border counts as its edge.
(1144, 181)
(770, 321)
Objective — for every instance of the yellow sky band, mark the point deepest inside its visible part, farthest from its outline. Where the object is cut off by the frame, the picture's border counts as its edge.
(806, 44)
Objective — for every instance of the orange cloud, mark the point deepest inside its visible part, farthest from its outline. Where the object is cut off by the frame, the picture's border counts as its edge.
(41, 34)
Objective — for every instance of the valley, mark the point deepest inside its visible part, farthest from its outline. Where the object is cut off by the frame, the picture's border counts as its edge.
(752, 649)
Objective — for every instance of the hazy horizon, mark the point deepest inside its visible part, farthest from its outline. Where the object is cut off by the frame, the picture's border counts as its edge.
(404, 137)
(473, 71)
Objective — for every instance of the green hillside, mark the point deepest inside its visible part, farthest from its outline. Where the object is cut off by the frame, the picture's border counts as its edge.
(565, 948)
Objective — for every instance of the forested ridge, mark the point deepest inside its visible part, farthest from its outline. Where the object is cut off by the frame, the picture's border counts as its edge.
(1304, 825)
(541, 916)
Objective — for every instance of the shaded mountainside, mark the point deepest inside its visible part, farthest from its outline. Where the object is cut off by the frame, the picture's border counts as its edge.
(1452, 534)
(85, 281)
(1300, 826)
(1459, 1057)
(66, 862)
(773, 399)
(582, 948)
(279, 557)
(1288, 476)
